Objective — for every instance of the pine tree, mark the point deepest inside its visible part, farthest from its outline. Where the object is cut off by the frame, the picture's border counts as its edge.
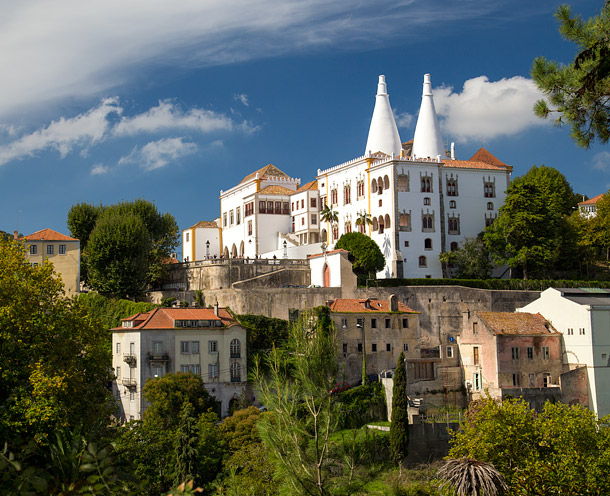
(185, 445)
(399, 428)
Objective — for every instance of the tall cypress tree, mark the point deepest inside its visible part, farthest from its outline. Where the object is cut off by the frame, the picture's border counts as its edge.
(399, 428)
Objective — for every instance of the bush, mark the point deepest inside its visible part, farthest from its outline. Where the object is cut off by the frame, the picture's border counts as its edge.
(360, 405)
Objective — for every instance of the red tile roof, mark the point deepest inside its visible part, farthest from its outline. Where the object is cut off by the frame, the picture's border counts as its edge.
(205, 224)
(592, 201)
(355, 305)
(164, 318)
(48, 235)
(518, 323)
(469, 164)
(276, 190)
(313, 185)
(269, 170)
(484, 156)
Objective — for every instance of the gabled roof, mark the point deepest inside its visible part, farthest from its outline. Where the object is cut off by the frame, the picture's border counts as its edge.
(484, 156)
(331, 252)
(586, 296)
(313, 185)
(205, 224)
(356, 305)
(276, 190)
(164, 318)
(48, 235)
(269, 170)
(591, 201)
(520, 323)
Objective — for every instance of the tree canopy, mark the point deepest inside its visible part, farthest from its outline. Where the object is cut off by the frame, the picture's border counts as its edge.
(365, 253)
(579, 91)
(470, 261)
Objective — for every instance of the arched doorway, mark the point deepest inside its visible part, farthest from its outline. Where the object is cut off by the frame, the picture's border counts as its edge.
(241, 249)
(225, 253)
(234, 251)
(326, 276)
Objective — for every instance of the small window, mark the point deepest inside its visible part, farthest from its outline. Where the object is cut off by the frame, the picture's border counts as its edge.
(374, 347)
(157, 347)
(344, 347)
(118, 347)
(388, 323)
(212, 346)
(118, 372)
(530, 352)
(427, 200)
(184, 347)
(314, 219)
(405, 347)
(532, 380)
(359, 347)
(516, 380)
(195, 347)
(427, 244)
(184, 369)
(132, 397)
(454, 246)
(514, 353)
(33, 249)
(213, 371)
(405, 323)
(475, 327)
(235, 348)
(50, 249)
(475, 355)
(388, 347)
(62, 249)
(406, 244)
(373, 323)
(313, 203)
(449, 351)
(186, 237)
(490, 206)
(581, 331)
(476, 381)
(545, 353)
(423, 262)
(570, 331)
(452, 204)
(344, 323)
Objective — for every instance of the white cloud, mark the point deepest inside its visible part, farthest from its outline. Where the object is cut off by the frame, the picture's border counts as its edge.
(243, 98)
(64, 134)
(99, 169)
(601, 161)
(50, 51)
(168, 116)
(404, 120)
(487, 109)
(160, 153)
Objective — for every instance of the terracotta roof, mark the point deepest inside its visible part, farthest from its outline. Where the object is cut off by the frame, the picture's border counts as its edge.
(313, 185)
(517, 323)
(592, 201)
(205, 224)
(269, 170)
(276, 190)
(355, 305)
(469, 164)
(164, 318)
(48, 235)
(484, 156)
(315, 255)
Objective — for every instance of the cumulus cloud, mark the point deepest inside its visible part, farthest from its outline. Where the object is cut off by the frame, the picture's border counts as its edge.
(601, 161)
(64, 134)
(160, 153)
(243, 98)
(404, 119)
(71, 48)
(486, 109)
(99, 169)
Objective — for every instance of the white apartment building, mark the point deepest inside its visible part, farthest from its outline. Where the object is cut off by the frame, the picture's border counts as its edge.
(206, 342)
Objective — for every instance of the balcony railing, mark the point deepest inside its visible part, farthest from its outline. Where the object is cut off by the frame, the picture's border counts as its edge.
(158, 357)
(129, 382)
(235, 354)
(129, 358)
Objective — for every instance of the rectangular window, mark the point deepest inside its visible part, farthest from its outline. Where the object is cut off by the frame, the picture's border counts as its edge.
(475, 355)
(50, 249)
(344, 347)
(231, 217)
(388, 323)
(157, 371)
(186, 237)
(285, 209)
(388, 347)
(184, 347)
(62, 249)
(545, 353)
(373, 323)
(262, 207)
(405, 323)
(516, 380)
(344, 323)
(238, 214)
(195, 347)
(196, 369)
(475, 327)
(532, 380)
(359, 347)
(33, 249)
(313, 203)
(118, 372)
(514, 351)
(405, 347)
(476, 381)
(530, 352)
(212, 346)
(249, 209)
(249, 228)
(157, 347)
(132, 397)
(449, 351)
(184, 369)
(118, 347)
(303, 203)
(224, 220)
(374, 347)
(213, 371)
(278, 207)
(314, 219)
(581, 331)
(570, 331)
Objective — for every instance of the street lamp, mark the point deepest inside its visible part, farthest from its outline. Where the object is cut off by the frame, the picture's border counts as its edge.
(207, 249)
(285, 249)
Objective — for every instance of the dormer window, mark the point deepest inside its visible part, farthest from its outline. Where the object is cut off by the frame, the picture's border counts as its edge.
(128, 323)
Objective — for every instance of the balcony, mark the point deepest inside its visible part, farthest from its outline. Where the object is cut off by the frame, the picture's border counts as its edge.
(235, 354)
(131, 383)
(158, 357)
(130, 359)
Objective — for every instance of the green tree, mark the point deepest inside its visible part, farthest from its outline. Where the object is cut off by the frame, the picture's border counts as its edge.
(365, 253)
(579, 92)
(185, 445)
(470, 261)
(81, 221)
(117, 256)
(469, 477)
(363, 219)
(55, 365)
(399, 428)
(329, 215)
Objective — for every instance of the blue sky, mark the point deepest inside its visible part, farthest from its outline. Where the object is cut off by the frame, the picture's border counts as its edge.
(175, 101)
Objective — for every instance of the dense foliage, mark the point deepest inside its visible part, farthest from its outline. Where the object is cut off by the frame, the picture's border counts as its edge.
(399, 429)
(123, 245)
(364, 253)
(470, 261)
(264, 333)
(579, 91)
(110, 311)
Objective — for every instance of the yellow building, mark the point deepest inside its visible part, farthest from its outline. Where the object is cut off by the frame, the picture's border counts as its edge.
(61, 250)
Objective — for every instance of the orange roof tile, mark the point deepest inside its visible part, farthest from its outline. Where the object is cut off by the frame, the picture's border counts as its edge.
(592, 201)
(164, 318)
(276, 190)
(517, 323)
(355, 305)
(484, 156)
(340, 250)
(468, 164)
(48, 235)
(204, 224)
(267, 171)
(313, 185)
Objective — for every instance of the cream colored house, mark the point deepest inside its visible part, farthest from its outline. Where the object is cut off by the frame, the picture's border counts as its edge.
(203, 341)
(61, 250)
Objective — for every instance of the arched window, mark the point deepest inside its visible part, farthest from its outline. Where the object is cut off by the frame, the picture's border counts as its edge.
(428, 244)
(348, 227)
(423, 262)
(387, 221)
(375, 224)
(335, 233)
(426, 185)
(490, 206)
(454, 225)
(381, 224)
(452, 187)
(386, 182)
(405, 221)
(326, 276)
(427, 222)
(347, 194)
(235, 349)
(324, 236)
(454, 246)
(374, 186)
(379, 185)
(235, 372)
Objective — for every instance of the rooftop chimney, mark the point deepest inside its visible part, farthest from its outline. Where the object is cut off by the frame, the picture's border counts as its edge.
(216, 308)
(393, 303)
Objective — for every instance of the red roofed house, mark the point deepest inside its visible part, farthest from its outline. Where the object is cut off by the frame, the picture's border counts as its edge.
(61, 250)
(511, 354)
(203, 341)
(381, 328)
(588, 208)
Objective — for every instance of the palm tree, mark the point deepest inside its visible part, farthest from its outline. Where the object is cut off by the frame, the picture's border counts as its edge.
(470, 477)
(364, 219)
(328, 215)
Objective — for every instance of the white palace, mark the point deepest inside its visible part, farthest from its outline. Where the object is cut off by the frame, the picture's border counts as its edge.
(420, 200)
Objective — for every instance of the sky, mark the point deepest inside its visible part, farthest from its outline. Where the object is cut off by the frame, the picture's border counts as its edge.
(175, 101)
